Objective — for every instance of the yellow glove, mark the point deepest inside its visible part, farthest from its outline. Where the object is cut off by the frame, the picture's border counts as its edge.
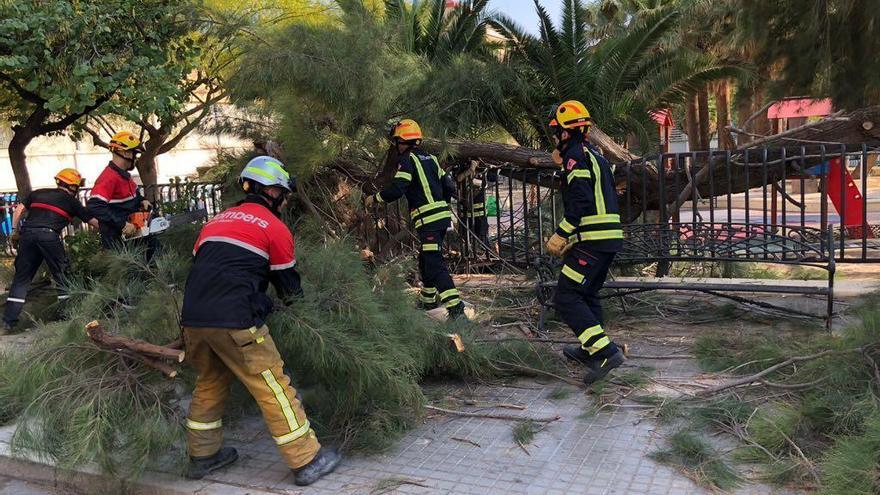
(14, 237)
(557, 245)
(146, 205)
(369, 201)
(129, 230)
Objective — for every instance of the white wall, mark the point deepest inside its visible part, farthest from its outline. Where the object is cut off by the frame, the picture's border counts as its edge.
(47, 155)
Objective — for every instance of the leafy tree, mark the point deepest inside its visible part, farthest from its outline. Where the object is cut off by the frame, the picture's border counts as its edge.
(62, 60)
(820, 47)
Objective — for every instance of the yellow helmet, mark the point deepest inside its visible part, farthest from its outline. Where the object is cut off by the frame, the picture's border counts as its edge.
(406, 130)
(571, 114)
(125, 141)
(69, 177)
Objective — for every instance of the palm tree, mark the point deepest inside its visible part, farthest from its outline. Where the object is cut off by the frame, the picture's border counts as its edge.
(438, 31)
(621, 78)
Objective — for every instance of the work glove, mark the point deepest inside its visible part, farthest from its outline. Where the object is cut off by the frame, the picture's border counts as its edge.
(129, 230)
(369, 201)
(557, 157)
(557, 245)
(146, 205)
(14, 237)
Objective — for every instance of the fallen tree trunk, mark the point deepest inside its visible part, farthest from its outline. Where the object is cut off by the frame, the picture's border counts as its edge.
(764, 161)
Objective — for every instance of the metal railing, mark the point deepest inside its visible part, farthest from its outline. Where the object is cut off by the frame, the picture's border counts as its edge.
(773, 205)
(171, 198)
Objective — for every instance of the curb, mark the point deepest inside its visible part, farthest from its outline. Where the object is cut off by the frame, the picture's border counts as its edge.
(89, 481)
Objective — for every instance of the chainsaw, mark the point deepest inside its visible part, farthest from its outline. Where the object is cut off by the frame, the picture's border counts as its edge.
(150, 223)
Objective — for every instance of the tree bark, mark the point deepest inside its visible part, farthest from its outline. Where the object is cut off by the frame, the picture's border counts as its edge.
(18, 159)
(722, 104)
(21, 138)
(146, 166)
(703, 119)
(692, 123)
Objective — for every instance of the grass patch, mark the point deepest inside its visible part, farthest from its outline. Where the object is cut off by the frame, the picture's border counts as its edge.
(524, 432)
(559, 393)
(666, 409)
(698, 460)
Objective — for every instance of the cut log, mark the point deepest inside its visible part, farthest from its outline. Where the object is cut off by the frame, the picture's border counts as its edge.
(99, 336)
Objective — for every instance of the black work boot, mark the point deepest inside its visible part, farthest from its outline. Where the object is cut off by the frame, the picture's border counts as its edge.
(600, 367)
(427, 306)
(576, 353)
(456, 312)
(325, 462)
(199, 467)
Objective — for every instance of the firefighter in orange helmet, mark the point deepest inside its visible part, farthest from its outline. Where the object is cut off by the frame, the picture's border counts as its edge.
(38, 238)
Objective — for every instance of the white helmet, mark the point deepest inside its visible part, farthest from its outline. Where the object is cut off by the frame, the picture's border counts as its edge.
(267, 171)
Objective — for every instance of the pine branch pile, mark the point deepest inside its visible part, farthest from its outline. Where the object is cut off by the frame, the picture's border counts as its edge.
(354, 345)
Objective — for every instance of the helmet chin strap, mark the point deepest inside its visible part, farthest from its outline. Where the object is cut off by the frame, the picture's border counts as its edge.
(131, 161)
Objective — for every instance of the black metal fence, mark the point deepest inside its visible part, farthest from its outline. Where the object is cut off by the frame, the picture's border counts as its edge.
(171, 199)
(776, 205)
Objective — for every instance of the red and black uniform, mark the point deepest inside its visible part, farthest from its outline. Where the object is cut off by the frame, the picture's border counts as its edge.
(113, 199)
(49, 211)
(238, 253)
(428, 189)
(592, 223)
(225, 306)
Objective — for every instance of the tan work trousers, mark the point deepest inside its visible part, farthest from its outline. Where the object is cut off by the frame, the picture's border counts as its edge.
(218, 355)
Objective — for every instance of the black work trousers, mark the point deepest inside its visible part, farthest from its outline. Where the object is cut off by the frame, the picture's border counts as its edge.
(35, 246)
(577, 297)
(437, 284)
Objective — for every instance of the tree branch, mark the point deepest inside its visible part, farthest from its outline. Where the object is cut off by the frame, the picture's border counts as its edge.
(62, 124)
(96, 138)
(25, 94)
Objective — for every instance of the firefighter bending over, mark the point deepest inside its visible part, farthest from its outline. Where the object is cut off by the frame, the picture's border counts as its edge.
(38, 238)
(428, 191)
(225, 306)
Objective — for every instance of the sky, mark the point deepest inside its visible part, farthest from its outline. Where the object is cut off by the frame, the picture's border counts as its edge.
(523, 11)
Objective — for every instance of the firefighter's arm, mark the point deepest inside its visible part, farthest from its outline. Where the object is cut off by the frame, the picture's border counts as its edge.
(282, 265)
(450, 190)
(16, 215)
(398, 186)
(83, 213)
(581, 199)
(100, 209)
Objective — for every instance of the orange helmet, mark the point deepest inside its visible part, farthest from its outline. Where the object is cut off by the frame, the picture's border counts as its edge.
(69, 177)
(406, 130)
(571, 114)
(125, 141)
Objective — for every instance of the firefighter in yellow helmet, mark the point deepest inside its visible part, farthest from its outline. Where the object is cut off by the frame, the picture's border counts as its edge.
(115, 195)
(428, 190)
(587, 239)
(37, 238)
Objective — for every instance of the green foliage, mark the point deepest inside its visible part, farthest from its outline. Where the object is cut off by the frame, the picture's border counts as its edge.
(76, 403)
(809, 46)
(698, 459)
(524, 432)
(358, 350)
(82, 246)
(621, 78)
(559, 393)
(66, 57)
(852, 465)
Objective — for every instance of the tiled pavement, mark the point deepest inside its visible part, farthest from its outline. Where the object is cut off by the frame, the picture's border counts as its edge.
(593, 454)
(599, 454)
